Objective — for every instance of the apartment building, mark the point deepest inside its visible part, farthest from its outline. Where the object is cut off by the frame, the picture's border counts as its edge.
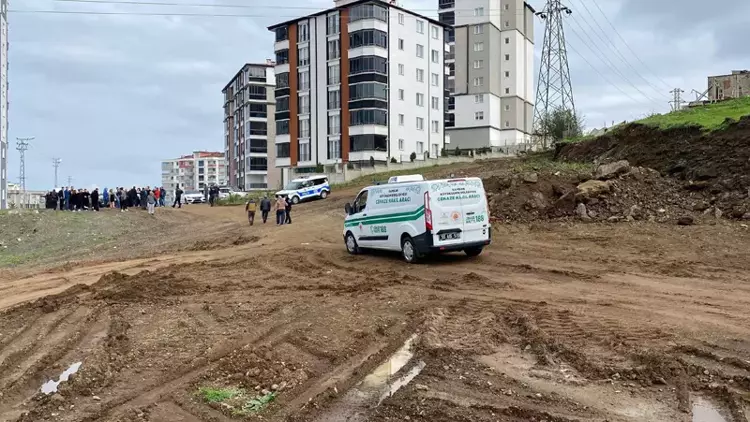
(249, 128)
(3, 104)
(194, 171)
(363, 80)
(490, 62)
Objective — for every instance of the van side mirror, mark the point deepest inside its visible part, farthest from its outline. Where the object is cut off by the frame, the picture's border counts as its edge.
(348, 209)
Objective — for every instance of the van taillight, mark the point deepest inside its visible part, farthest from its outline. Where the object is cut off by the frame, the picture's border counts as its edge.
(427, 212)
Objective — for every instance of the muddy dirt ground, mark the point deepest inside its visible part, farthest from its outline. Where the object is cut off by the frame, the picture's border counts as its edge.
(556, 321)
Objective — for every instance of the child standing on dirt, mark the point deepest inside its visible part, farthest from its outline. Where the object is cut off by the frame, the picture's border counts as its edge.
(250, 207)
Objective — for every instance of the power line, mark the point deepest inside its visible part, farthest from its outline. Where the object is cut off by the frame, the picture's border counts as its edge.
(627, 45)
(677, 101)
(615, 48)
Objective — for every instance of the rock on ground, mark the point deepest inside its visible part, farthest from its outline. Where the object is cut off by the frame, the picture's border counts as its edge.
(612, 170)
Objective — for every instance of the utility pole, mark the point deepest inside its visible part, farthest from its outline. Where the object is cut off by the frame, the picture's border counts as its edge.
(22, 144)
(554, 91)
(677, 101)
(70, 181)
(56, 164)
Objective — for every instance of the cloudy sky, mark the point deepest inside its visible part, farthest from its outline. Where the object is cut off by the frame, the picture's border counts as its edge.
(114, 95)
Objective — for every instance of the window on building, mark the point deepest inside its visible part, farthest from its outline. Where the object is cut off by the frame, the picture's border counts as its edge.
(420, 75)
(420, 147)
(401, 18)
(303, 80)
(257, 110)
(435, 103)
(334, 74)
(303, 56)
(401, 69)
(332, 24)
(303, 32)
(282, 80)
(401, 94)
(368, 11)
(401, 144)
(303, 102)
(256, 92)
(478, 46)
(478, 81)
(506, 6)
(435, 56)
(400, 119)
(507, 107)
(282, 33)
(507, 57)
(282, 104)
(282, 127)
(365, 37)
(304, 128)
(334, 149)
(479, 115)
(420, 123)
(368, 90)
(334, 124)
(435, 32)
(478, 99)
(304, 151)
(368, 117)
(334, 99)
(420, 99)
(507, 123)
(282, 56)
(257, 163)
(478, 29)
(420, 26)
(257, 145)
(333, 49)
(256, 128)
(282, 150)
(434, 79)
(368, 64)
(478, 64)
(369, 143)
(507, 74)
(507, 24)
(507, 90)
(435, 126)
(507, 40)
(400, 44)
(479, 11)
(420, 50)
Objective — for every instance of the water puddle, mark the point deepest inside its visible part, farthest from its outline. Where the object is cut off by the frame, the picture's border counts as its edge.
(50, 386)
(705, 411)
(377, 386)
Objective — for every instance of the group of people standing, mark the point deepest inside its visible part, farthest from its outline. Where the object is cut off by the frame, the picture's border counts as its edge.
(282, 205)
(71, 199)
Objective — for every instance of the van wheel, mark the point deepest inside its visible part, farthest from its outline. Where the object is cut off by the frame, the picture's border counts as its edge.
(409, 250)
(351, 244)
(323, 194)
(473, 251)
(295, 200)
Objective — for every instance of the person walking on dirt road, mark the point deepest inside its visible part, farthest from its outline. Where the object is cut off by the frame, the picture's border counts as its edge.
(288, 211)
(250, 207)
(265, 208)
(280, 210)
(177, 198)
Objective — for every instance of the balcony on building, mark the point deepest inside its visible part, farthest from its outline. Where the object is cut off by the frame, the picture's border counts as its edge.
(446, 4)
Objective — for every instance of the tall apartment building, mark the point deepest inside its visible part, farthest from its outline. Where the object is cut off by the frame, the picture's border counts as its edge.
(359, 81)
(249, 128)
(491, 72)
(194, 171)
(3, 104)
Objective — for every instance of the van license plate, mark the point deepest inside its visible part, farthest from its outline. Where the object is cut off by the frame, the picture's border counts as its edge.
(449, 236)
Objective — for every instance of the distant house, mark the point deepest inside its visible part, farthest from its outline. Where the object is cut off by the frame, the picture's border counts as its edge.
(18, 199)
(724, 87)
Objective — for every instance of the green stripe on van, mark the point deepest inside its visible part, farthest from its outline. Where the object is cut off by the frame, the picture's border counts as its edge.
(386, 218)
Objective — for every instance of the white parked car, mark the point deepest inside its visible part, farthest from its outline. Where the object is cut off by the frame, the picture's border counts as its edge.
(308, 187)
(193, 197)
(419, 217)
(226, 191)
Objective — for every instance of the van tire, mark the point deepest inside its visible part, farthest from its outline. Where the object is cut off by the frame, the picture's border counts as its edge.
(324, 194)
(351, 244)
(473, 251)
(409, 250)
(295, 200)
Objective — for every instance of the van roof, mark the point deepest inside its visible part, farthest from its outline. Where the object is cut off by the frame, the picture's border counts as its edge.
(406, 178)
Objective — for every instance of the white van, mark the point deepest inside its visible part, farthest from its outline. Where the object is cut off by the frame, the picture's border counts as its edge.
(419, 218)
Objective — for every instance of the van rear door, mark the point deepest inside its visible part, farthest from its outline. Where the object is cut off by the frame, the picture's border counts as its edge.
(476, 217)
(445, 204)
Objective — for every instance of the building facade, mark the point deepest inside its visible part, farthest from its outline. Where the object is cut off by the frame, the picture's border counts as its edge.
(3, 104)
(249, 128)
(31, 199)
(491, 72)
(724, 87)
(193, 172)
(362, 81)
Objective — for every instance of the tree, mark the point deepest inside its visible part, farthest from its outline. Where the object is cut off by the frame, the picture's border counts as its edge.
(393, 160)
(560, 124)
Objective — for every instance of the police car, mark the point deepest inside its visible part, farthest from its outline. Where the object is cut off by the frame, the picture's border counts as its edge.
(304, 188)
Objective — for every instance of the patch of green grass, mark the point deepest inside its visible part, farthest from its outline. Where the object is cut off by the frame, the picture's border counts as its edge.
(218, 395)
(708, 117)
(256, 404)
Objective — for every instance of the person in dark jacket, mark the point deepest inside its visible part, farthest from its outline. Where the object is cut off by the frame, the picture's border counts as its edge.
(265, 208)
(288, 211)
(162, 196)
(177, 198)
(95, 199)
(85, 200)
(66, 195)
(144, 197)
(61, 198)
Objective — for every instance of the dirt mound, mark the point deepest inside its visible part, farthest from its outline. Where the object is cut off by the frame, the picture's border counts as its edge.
(207, 245)
(143, 287)
(722, 157)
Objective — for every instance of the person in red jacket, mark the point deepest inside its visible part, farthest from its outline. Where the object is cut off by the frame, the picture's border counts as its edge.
(157, 194)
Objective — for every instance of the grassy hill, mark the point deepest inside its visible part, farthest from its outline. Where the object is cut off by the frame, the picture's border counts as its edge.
(708, 117)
